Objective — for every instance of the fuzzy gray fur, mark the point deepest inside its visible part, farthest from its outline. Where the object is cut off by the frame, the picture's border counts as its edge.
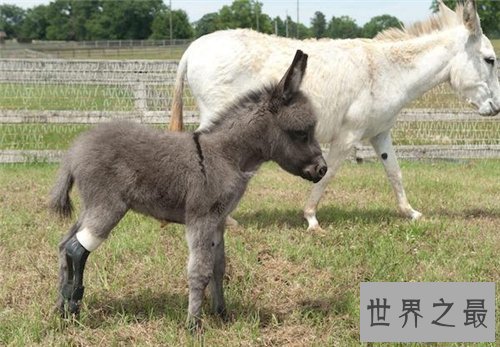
(195, 179)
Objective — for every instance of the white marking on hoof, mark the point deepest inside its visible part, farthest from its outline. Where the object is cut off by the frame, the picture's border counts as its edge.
(88, 240)
(231, 222)
(415, 215)
(411, 213)
(312, 221)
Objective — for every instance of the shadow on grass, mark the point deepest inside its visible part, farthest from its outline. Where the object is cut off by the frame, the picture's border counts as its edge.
(309, 308)
(338, 305)
(328, 215)
(143, 306)
(467, 213)
(148, 306)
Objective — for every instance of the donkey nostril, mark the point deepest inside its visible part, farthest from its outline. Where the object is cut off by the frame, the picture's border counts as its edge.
(322, 171)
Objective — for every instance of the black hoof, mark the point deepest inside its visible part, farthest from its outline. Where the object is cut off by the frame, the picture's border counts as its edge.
(69, 309)
(74, 307)
(222, 314)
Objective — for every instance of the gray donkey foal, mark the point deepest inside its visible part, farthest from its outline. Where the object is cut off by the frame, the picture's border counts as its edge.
(195, 179)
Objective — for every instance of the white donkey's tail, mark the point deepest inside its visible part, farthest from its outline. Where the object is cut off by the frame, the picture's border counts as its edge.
(176, 123)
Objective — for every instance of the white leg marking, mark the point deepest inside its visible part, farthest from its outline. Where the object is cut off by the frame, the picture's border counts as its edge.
(335, 157)
(88, 240)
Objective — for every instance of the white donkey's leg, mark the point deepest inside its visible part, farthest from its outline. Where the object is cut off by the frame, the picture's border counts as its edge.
(336, 155)
(382, 143)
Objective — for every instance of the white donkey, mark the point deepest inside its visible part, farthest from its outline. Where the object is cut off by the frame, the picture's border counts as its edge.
(357, 87)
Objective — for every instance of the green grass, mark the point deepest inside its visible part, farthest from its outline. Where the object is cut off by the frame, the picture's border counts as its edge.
(59, 136)
(284, 286)
(148, 53)
(65, 97)
(484, 132)
(83, 97)
(47, 136)
(39, 136)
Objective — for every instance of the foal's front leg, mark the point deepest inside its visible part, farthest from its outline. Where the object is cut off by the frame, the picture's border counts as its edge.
(382, 143)
(202, 238)
(216, 283)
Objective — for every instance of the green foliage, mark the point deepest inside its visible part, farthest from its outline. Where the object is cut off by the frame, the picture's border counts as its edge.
(11, 17)
(181, 29)
(244, 14)
(380, 23)
(489, 12)
(67, 19)
(34, 25)
(207, 24)
(343, 27)
(298, 31)
(76, 20)
(240, 14)
(318, 25)
(126, 19)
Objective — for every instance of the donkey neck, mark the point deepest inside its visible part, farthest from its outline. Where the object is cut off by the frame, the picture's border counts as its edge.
(419, 64)
(238, 142)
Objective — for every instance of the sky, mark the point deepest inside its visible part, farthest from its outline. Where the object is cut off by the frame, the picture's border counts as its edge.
(408, 11)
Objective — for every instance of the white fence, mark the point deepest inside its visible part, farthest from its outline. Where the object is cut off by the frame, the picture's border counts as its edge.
(44, 103)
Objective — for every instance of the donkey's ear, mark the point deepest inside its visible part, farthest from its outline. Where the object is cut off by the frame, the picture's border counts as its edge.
(443, 8)
(471, 18)
(290, 83)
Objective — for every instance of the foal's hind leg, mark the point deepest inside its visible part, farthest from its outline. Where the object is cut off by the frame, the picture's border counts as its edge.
(72, 289)
(382, 144)
(82, 239)
(65, 266)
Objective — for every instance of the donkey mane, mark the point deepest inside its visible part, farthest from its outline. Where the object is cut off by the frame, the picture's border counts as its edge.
(250, 100)
(444, 19)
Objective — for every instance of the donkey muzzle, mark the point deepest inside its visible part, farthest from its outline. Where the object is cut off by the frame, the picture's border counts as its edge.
(315, 171)
(489, 108)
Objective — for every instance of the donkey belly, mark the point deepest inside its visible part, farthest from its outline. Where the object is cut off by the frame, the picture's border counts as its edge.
(172, 215)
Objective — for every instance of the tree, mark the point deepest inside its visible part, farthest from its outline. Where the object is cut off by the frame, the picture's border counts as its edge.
(207, 24)
(279, 27)
(181, 29)
(489, 12)
(343, 27)
(318, 25)
(380, 23)
(11, 17)
(67, 19)
(244, 14)
(34, 25)
(304, 32)
(124, 19)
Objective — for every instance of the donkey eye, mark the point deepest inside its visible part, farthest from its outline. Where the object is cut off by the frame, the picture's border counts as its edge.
(490, 61)
(299, 135)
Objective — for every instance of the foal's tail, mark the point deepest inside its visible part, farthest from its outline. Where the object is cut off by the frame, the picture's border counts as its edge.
(176, 109)
(60, 201)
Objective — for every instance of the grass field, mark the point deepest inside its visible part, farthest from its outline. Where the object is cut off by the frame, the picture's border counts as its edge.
(70, 52)
(152, 53)
(60, 136)
(284, 286)
(65, 97)
(84, 97)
